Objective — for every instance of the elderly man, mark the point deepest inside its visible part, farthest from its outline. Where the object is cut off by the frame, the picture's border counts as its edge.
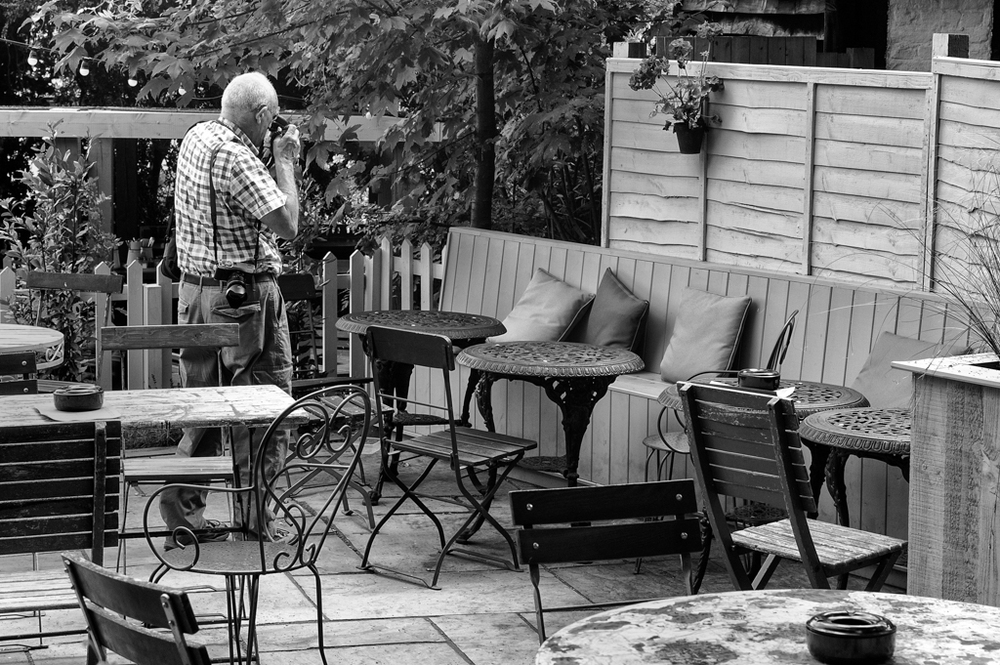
(229, 211)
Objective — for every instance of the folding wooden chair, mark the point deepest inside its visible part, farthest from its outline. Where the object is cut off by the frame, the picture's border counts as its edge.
(164, 468)
(122, 612)
(746, 445)
(595, 526)
(465, 449)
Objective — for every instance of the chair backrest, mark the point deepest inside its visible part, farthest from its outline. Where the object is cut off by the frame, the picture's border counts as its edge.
(121, 613)
(591, 526)
(781, 344)
(327, 431)
(100, 285)
(746, 445)
(298, 290)
(23, 367)
(59, 487)
(176, 336)
(411, 348)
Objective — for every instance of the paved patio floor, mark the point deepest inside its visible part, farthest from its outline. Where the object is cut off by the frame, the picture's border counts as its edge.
(482, 615)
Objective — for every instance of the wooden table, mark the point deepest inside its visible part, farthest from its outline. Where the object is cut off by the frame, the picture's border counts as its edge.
(574, 376)
(809, 397)
(45, 342)
(253, 406)
(768, 627)
(882, 434)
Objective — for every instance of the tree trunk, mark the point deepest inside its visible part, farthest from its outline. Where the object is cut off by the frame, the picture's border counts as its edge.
(486, 132)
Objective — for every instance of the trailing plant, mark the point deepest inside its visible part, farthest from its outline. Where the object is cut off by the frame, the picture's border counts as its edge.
(57, 228)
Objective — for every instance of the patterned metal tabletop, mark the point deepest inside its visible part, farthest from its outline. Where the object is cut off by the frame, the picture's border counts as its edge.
(562, 359)
(453, 325)
(871, 430)
(809, 397)
(768, 627)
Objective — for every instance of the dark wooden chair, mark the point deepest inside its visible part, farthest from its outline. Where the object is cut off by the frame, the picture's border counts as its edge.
(467, 451)
(161, 465)
(299, 293)
(331, 428)
(122, 612)
(59, 487)
(22, 367)
(746, 445)
(98, 287)
(602, 523)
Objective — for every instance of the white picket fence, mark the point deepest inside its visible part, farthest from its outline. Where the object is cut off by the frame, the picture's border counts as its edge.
(405, 279)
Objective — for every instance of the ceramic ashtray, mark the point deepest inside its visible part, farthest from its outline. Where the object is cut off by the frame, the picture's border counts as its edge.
(758, 379)
(845, 637)
(79, 398)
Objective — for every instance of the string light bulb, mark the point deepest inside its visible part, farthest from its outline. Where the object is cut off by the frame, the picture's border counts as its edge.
(181, 91)
(132, 82)
(84, 68)
(32, 58)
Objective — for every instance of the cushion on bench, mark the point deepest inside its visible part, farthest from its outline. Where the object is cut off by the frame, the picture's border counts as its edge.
(545, 311)
(615, 318)
(706, 334)
(890, 388)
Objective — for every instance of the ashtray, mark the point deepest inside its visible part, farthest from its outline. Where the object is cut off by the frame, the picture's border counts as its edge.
(846, 637)
(79, 398)
(758, 379)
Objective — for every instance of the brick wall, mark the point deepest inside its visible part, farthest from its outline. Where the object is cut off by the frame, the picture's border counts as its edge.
(913, 22)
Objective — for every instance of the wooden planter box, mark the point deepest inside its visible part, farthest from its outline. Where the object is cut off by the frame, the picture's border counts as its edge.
(954, 551)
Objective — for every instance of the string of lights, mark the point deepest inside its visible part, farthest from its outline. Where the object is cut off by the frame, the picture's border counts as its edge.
(32, 59)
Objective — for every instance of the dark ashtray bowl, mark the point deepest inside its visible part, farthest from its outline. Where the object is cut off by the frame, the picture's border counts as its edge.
(79, 398)
(758, 379)
(846, 637)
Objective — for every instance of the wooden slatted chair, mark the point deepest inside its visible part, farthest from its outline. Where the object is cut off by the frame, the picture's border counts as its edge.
(299, 291)
(121, 614)
(59, 487)
(466, 450)
(158, 467)
(22, 367)
(746, 445)
(599, 523)
(98, 287)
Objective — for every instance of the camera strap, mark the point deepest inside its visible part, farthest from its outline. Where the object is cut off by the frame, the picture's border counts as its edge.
(212, 204)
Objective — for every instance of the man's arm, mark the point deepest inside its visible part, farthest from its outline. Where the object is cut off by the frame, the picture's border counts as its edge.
(285, 220)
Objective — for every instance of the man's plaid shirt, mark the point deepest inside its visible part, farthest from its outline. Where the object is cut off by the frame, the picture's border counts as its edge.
(244, 193)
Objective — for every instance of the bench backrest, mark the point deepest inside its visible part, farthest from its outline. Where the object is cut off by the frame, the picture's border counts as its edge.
(59, 488)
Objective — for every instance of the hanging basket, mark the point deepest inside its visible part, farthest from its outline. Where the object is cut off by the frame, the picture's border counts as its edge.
(689, 140)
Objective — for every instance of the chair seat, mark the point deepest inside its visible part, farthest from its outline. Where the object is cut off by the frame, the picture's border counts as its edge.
(36, 590)
(237, 557)
(837, 547)
(176, 469)
(475, 447)
(406, 419)
(677, 442)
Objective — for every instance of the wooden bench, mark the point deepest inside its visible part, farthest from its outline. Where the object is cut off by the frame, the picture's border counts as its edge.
(58, 491)
(486, 271)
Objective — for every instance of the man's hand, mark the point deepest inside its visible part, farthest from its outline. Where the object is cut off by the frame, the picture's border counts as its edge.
(286, 147)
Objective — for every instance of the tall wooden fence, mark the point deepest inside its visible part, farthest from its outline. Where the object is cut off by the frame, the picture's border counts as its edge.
(405, 277)
(857, 175)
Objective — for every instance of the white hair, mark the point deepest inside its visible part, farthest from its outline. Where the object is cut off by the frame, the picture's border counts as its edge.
(247, 93)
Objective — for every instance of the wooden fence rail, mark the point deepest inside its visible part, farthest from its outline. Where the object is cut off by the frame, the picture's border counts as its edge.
(390, 278)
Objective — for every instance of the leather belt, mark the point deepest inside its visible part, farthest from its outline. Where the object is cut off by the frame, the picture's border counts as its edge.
(211, 281)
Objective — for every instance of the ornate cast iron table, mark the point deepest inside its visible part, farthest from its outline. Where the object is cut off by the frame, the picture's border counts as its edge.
(882, 434)
(768, 627)
(574, 376)
(45, 342)
(809, 397)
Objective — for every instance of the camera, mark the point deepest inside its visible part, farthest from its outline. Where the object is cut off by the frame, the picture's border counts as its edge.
(277, 129)
(235, 287)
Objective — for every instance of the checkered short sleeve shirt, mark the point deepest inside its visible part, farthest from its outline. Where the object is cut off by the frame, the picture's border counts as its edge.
(245, 192)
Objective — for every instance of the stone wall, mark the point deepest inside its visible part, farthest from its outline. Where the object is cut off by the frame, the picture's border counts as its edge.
(913, 22)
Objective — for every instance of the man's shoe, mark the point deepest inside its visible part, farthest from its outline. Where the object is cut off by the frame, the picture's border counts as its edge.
(214, 531)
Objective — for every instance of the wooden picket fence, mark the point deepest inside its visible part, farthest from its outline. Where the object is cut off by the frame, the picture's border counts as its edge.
(400, 278)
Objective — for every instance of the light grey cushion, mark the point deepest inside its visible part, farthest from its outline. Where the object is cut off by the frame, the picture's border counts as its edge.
(615, 317)
(544, 311)
(890, 388)
(706, 334)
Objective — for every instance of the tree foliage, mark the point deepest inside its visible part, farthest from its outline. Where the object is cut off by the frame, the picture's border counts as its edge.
(482, 93)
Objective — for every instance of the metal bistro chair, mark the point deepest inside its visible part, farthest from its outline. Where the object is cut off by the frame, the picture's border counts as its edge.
(466, 450)
(598, 523)
(121, 612)
(746, 445)
(332, 426)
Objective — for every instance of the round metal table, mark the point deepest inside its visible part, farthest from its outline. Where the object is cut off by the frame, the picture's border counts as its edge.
(768, 628)
(809, 397)
(575, 376)
(45, 342)
(882, 434)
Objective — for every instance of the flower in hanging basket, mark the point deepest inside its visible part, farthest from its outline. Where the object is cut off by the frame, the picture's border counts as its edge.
(685, 99)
